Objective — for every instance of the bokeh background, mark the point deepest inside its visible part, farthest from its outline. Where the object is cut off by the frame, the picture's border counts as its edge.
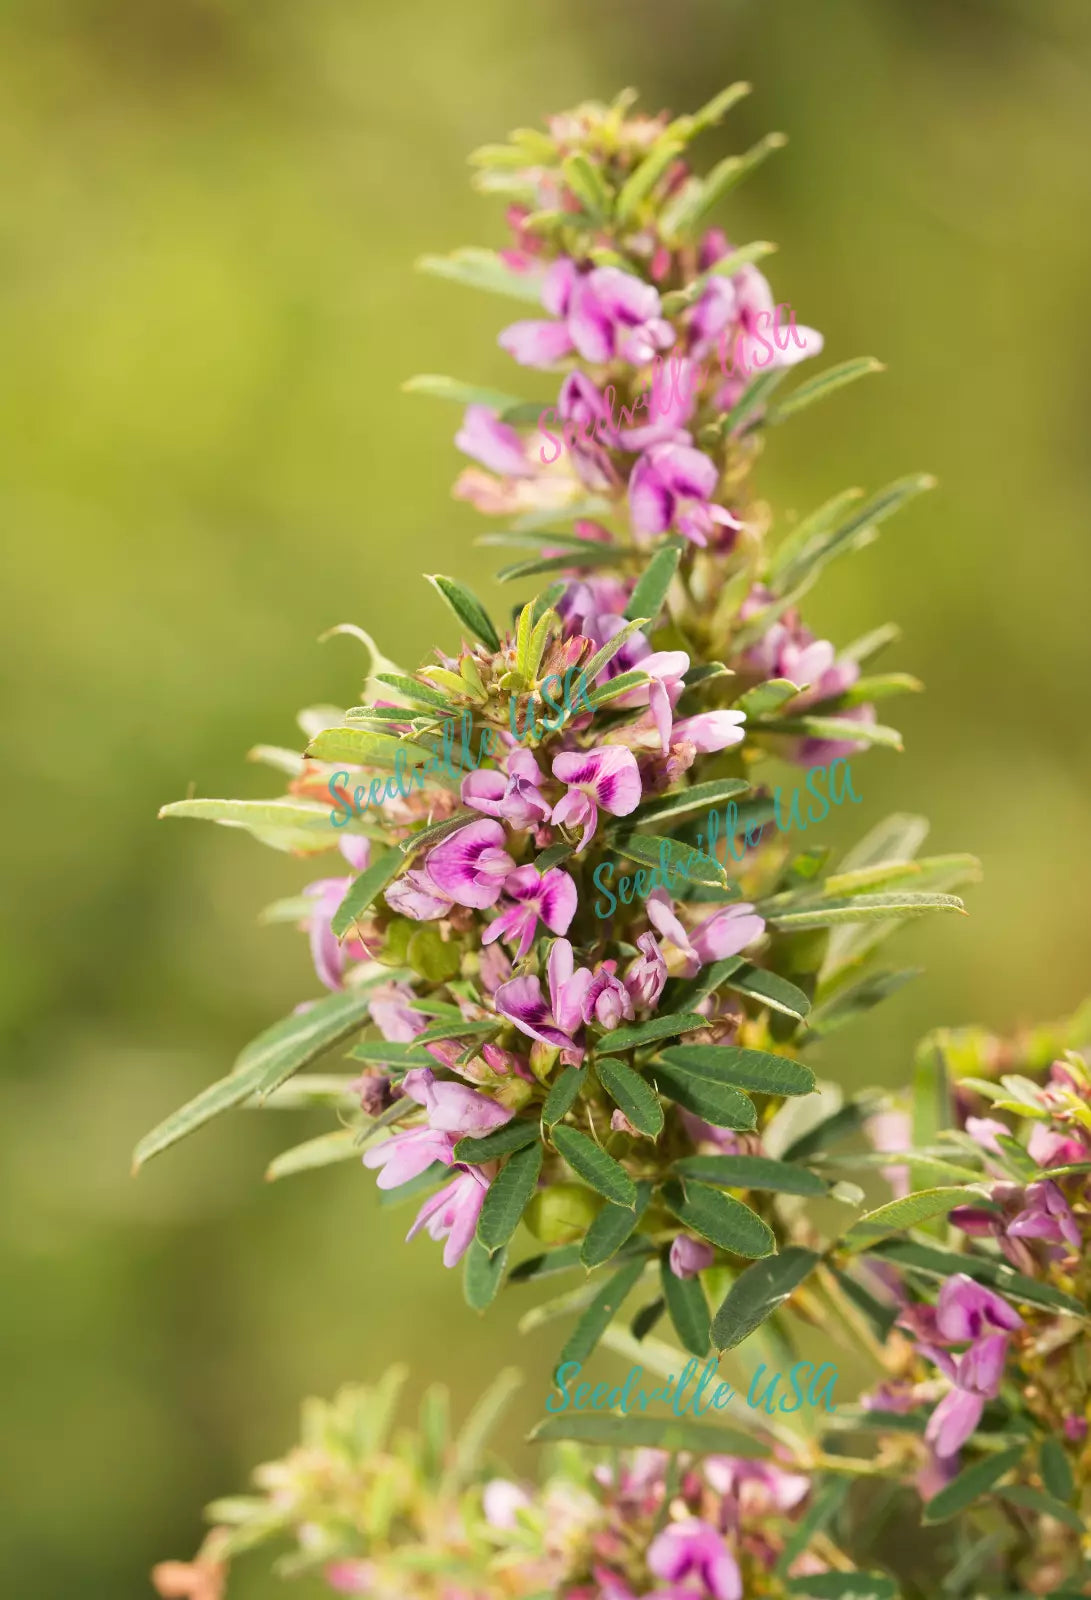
(207, 306)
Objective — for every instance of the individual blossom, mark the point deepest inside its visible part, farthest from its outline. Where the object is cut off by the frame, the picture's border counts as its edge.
(514, 796)
(647, 974)
(690, 1256)
(549, 897)
(415, 895)
(608, 777)
(492, 442)
(671, 487)
(694, 1549)
(558, 1021)
(452, 1212)
(724, 933)
(966, 1310)
(607, 1000)
(543, 344)
(1046, 1215)
(331, 958)
(614, 316)
(710, 731)
(975, 1378)
(470, 865)
(453, 1107)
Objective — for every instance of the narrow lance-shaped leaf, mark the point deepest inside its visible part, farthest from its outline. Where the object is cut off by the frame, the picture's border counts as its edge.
(770, 989)
(755, 1070)
(826, 383)
(753, 1172)
(266, 1062)
(291, 825)
(635, 1098)
(651, 589)
(688, 1308)
(463, 394)
(701, 797)
(717, 1103)
(484, 269)
(508, 1197)
(653, 1433)
(467, 608)
(661, 1027)
(590, 1162)
(971, 1484)
(906, 1213)
(864, 908)
(327, 1148)
(612, 1228)
(758, 1292)
(651, 850)
(364, 890)
(601, 1312)
(719, 1218)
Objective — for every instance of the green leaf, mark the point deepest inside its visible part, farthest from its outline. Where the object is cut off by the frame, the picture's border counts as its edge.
(590, 556)
(654, 1433)
(720, 1218)
(533, 539)
(363, 747)
(562, 1096)
(422, 693)
(484, 269)
(701, 797)
(586, 183)
(805, 533)
(482, 1275)
(463, 394)
(897, 1215)
(676, 300)
(935, 1263)
(474, 1434)
(308, 1090)
(970, 1485)
(500, 1142)
(447, 1028)
(848, 1119)
(753, 1172)
(879, 687)
(552, 856)
(612, 1228)
(682, 861)
(646, 1319)
(291, 825)
(687, 213)
(546, 1264)
(833, 542)
(601, 1312)
(826, 1500)
(662, 1027)
(629, 1091)
(824, 384)
(717, 1103)
(765, 698)
(1044, 1504)
(266, 1062)
(323, 1151)
(870, 644)
(755, 1070)
(617, 687)
(364, 890)
(692, 991)
(712, 112)
(854, 1001)
(603, 657)
(1056, 1470)
(844, 1586)
(808, 727)
(864, 908)
(753, 396)
(508, 1196)
(651, 589)
(931, 1094)
(759, 1291)
(466, 607)
(392, 1053)
(640, 183)
(590, 1162)
(770, 989)
(688, 1308)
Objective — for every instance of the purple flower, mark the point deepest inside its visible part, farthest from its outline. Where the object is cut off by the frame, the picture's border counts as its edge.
(985, 1130)
(977, 1378)
(470, 866)
(607, 1000)
(557, 1023)
(614, 316)
(1047, 1215)
(405, 1156)
(551, 896)
(648, 974)
(415, 895)
(671, 487)
(330, 957)
(517, 798)
(391, 1013)
(690, 1256)
(711, 730)
(543, 344)
(608, 777)
(452, 1213)
(966, 1310)
(453, 1107)
(757, 1487)
(492, 442)
(695, 1548)
(724, 933)
(1052, 1149)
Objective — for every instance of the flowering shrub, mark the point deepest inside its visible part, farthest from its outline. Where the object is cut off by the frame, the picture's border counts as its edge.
(978, 1424)
(613, 1084)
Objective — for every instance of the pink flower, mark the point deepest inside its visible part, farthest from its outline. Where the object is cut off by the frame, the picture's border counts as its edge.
(470, 865)
(1047, 1215)
(672, 487)
(966, 1309)
(616, 316)
(689, 1256)
(415, 895)
(1052, 1149)
(977, 1378)
(543, 344)
(557, 1022)
(608, 777)
(550, 896)
(351, 1577)
(516, 797)
(647, 976)
(452, 1213)
(453, 1107)
(331, 957)
(607, 1000)
(695, 1548)
(405, 1156)
(492, 442)
(711, 730)
(724, 933)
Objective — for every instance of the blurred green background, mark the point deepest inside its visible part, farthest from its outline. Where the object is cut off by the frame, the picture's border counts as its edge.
(206, 309)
